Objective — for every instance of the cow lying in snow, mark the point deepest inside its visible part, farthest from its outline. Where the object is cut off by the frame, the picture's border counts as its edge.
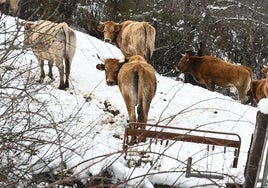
(132, 37)
(260, 87)
(137, 83)
(211, 70)
(55, 42)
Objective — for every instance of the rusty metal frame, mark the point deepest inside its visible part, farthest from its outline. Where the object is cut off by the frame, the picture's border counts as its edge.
(189, 174)
(162, 134)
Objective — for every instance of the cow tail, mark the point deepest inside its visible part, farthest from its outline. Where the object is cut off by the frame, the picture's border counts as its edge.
(147, 51)
(136, 85)
(136, 82)
(70, 47)
(65, 28)
(149, 41)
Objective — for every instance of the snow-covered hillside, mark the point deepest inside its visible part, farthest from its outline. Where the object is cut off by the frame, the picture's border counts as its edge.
(93, 139)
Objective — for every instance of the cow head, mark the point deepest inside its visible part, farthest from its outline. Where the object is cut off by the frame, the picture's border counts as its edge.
(183, 63)
(28, 27)
(110, 30)
(111, 67)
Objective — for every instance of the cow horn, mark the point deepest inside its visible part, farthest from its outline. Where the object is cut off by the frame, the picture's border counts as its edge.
(265, 66)
(182, 54)
(121, 61)
(100, 58)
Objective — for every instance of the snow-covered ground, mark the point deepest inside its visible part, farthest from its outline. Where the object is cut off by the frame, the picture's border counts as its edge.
(94, 138)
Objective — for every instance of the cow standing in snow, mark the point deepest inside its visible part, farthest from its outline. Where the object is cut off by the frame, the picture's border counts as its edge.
(55, 42)
(132, 37)
(137, 83)
(212, 71)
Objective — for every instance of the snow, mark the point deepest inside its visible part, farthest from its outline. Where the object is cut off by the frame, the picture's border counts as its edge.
(96, 135)
(263, 105)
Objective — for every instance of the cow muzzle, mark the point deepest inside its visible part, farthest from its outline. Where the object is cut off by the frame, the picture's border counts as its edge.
(176, 67)
(110, 82)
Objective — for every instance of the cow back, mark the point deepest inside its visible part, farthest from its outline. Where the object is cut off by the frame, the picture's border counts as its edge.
(42, 34)
(136, 38)
(126, 76)
(49, 39)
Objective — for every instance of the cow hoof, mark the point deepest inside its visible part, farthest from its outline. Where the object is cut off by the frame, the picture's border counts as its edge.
(66, 85)
(132, 142)
(143, 140)
(40, 81)
(61, 87)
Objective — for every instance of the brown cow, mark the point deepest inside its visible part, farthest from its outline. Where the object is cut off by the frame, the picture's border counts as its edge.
(132, 37)
(54, 42)
(211, 70)
(260, 87)
(137, 83)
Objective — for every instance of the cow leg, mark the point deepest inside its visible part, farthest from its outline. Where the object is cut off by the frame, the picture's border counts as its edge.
(244, 90)
(142, 117)
(50, 73)
(42, 72)
(60, 66)
(242, 95)
(210, 85)
(140, 114)
(132, 116)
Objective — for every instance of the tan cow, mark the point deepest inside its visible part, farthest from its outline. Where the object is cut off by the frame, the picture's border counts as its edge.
(132, 37)
(137, 83)
(13, 5)
(55, 42)
(211, 70)
(260, 87)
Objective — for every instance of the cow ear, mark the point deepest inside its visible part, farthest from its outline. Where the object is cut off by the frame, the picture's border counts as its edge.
(264, 70)
(100, 28)
(100, 67)
(117, 27)
(28, 25)
(101, 59)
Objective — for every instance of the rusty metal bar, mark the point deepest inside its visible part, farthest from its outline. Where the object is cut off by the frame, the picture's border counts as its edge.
(181, 137)
(163, 134)
(184, 129)
(199, 174)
